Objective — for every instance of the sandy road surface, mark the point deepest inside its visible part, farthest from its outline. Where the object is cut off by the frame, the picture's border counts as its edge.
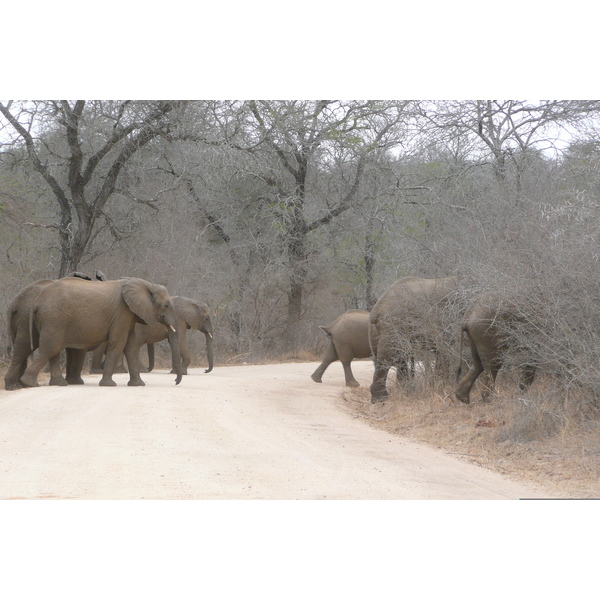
(250, 432)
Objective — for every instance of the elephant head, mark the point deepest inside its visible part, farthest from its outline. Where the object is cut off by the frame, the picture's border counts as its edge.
(151, 303)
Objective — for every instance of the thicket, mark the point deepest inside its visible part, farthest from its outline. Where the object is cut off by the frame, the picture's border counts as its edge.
(282, 215)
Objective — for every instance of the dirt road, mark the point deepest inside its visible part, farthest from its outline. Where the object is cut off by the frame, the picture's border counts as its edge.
(249, 432)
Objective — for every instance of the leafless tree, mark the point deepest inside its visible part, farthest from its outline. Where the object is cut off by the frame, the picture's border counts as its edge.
(299, 140)
(79, 149)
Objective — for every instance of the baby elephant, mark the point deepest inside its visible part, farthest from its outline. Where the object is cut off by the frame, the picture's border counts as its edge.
(348, 339)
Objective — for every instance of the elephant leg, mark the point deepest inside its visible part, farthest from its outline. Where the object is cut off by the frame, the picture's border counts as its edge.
(30, 376)
(463, 389)
(527, 377)
(350, 380)
(489, 382)
(120, 367)
(143, 368)
(22, 350)
(75, 360)
(403, 372)
(16, 369)
(383, 363)
(132, 355)
(113, 352)
(98, 358)
(56, 376)
(330, 356)
(378, 389)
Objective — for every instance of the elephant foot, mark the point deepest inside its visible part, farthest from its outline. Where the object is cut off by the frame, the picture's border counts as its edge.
(75, 381)
(378, 398)
(316, 378)
(107, 381)
(183, 372)
(135, 382)
(12, 385)
(378, 393)
(58, 381)
(463, 399)
(352, 383)
(29, 382)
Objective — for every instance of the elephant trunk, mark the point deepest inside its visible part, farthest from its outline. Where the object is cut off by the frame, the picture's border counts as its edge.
(209, 350)
(150, 357)
(175, 353)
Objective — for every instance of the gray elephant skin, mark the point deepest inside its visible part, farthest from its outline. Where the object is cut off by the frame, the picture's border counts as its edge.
(407, 319)
(486, 327)
(76, 314)
(190, 315)
(24, 341)
(348, 339)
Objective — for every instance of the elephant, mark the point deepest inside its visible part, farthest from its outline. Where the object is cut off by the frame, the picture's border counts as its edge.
(190, 315)
(407, 319)
(348, 339)
(486, 326)
(78, 314)
(24, 341)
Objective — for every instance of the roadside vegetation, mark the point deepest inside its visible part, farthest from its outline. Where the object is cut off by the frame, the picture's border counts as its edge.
(530, 437)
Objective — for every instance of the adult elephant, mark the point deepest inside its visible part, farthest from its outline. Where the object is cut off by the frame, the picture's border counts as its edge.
(348, 339)
(25, 341)
(487, 327)
(78, 314)
(190, 315)
(407, 320)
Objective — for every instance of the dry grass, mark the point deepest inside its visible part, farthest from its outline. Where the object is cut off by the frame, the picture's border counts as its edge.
(528, 437)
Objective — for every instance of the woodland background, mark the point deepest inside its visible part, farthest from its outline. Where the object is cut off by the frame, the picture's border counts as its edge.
(281, 215)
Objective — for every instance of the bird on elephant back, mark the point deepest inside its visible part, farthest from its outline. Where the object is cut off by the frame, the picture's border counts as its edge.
(77, 314)
(191, 314)
(348, 339)
(487, 326)
(410, 321)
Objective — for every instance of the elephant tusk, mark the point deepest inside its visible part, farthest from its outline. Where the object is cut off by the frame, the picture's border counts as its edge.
(172, 328)
(209, 334)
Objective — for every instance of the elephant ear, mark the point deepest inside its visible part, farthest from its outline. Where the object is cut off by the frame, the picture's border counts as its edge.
(188, 310)
(139, 296)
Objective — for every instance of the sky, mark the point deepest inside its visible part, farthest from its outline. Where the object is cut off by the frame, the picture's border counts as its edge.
(378, 50)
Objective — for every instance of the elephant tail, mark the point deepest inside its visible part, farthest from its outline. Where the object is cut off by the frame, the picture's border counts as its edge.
(325, 330)
(373, 338)
(463, 328)
(31, 329)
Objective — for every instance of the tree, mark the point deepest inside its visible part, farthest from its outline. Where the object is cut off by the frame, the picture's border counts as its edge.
(79, 149)
(299, 142)
(508, 130)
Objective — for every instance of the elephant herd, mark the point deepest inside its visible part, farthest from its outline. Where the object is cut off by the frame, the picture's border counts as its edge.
(117, 317)
(408, 320)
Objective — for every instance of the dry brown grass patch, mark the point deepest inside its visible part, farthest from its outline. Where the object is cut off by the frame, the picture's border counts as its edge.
(551, 439)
